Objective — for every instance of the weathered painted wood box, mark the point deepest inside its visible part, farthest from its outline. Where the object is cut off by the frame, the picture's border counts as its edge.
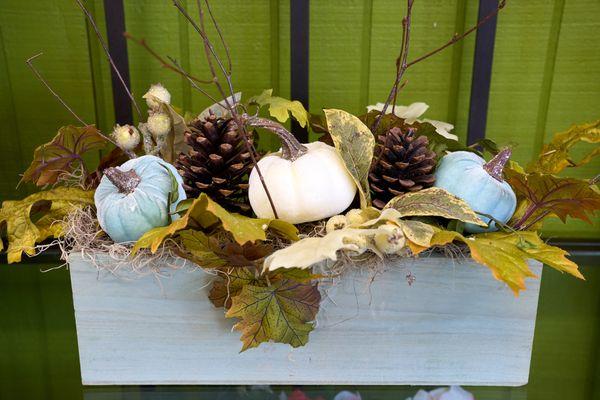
(454, 325)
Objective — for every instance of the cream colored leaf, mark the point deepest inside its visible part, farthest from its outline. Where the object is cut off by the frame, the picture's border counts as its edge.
(355, 144)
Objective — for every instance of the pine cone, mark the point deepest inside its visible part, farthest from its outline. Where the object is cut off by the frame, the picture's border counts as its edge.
(217, 163)
(403, 163)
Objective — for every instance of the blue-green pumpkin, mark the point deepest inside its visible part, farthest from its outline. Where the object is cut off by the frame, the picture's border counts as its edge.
(134, 198)
(480, 184)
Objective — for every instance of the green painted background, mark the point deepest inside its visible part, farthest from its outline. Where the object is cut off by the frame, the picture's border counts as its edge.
(546, 76)
(546, 72)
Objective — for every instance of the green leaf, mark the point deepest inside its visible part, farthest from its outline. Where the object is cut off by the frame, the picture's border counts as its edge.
(555, 156)
(281, 108)
(50, 207)
(435, 202)
(282, 312)
(355, 143)
(62, 154)
(205, 213)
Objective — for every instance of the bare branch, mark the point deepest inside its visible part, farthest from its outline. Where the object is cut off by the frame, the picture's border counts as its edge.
(110, 60)
(37, 73)
(401, 62)
(182, 72)
(223, 42)
(29, 62)
(162, 61)
(210, 55)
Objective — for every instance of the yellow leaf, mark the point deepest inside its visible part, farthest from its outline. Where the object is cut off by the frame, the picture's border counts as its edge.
(355, 143)
(435, 202)
(23, 232)
(281, 108)
(204, 213)
(555, 156)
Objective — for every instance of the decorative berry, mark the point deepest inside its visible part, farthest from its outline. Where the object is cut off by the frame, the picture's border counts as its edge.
(391, 239)
(159, 124)
(336, 222)
(355, 217)
(127, 137)
(156, 96)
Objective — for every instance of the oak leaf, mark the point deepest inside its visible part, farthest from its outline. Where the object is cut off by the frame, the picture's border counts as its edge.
(506, 254)
(38, 217)
(204, 213)
(283, 312)
(62, 154)
(355, 144)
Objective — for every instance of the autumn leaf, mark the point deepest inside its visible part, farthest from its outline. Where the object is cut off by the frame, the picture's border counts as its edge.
(555, 156)
(434, 202)
(62, 154)
(229, 283)
(506, 254)
(283, 312)
(200, 249)
(281, 108)
(312, 250)
(24, 231)
(205, 213)
(355, 144)
(543, 195)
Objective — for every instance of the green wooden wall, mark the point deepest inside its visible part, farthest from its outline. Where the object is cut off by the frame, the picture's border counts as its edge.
(546, 72)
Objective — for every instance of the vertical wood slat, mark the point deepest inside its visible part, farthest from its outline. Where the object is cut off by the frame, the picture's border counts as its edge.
(117, 46)
(482, 72)
(299, 39)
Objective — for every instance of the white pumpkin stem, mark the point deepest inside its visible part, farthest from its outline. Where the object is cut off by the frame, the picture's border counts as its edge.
(495, 166)
(125, 181)
(291, 148)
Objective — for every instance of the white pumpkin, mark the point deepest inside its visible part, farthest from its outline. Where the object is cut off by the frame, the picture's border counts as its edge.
(310, 186)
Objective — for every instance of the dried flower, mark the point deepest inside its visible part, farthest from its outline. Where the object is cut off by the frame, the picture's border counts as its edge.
(391, 239)
(156, 96)
(336, 222)
(159, 125)
(127, 137)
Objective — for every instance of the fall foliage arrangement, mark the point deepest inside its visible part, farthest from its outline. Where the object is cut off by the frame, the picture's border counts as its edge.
(272, 226)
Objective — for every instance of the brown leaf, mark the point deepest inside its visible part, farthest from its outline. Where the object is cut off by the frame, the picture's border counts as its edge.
(542, 195)
(229, 283)
(62, 154)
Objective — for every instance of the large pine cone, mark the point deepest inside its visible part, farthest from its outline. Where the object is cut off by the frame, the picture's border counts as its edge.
(402, 163)
(218, 163)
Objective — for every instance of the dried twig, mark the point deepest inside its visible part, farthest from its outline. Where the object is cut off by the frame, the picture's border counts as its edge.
(402, 63)
(162, 61)
(211, 55)
(29, 62)
(37, 73)
(92, 22)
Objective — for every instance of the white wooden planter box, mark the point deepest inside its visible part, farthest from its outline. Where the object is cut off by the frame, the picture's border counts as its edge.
(454, 325)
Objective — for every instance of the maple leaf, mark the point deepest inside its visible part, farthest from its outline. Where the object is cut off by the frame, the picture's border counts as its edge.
(229, 283)
(62, 154)
(506, 254)
(555, 156)
(49, 208)
(283, 312)
(543, 195)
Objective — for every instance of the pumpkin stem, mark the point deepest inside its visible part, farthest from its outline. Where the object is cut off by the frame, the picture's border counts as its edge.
(495, 166)
(125, 181)
(291, 148)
